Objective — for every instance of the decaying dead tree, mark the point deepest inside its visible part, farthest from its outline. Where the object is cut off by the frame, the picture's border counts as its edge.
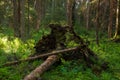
(54, 45)
(56, 52)
(35, 74)
(57, 39)
(62, 36)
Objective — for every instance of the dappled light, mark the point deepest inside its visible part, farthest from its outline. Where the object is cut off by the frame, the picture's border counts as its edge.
(59, 40)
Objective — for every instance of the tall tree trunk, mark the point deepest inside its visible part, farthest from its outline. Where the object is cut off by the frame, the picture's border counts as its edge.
(40, 9)
(70, 12)
(28, 22)
(52, 9)
(19, 22)
(117, 32)
(110, 20)
(15, 18)
(87, 14)
(22, 20)
(97, 23)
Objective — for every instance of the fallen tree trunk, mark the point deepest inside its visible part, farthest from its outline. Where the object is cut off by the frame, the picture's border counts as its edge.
(57, 40)
(40, 56)
(35, 74)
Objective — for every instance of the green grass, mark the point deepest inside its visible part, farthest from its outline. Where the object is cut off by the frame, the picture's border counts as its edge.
(108, 51)
(12, 48)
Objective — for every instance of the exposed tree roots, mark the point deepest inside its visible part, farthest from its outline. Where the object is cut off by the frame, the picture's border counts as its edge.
(57, 42)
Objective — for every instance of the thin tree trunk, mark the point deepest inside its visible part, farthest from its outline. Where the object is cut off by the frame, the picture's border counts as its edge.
(87, 14)
(119, 18)
(110, 19)
(28, 22)
(40, 56)
(40, 9)
(97, 23)
(19, 22)
(15, 18)
(19, 16)
(70, 13)
(22, 20)
(117, 32)
(52, 9)
(35, 74)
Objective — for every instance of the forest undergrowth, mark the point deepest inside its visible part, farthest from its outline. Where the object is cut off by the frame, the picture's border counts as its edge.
(12, 49)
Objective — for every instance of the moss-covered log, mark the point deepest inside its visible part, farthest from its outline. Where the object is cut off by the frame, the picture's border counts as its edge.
(59, 38)
(35, 74)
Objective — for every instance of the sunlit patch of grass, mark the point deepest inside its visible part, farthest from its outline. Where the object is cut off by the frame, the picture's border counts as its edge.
(15, 49)
(3, 42)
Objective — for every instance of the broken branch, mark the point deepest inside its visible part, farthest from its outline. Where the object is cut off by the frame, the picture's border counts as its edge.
(40, 56)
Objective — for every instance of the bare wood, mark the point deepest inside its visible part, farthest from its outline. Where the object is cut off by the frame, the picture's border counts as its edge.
(40, 56)
(35, 74)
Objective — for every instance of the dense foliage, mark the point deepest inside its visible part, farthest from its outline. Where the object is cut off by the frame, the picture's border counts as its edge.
(14, 49)
(24, 22)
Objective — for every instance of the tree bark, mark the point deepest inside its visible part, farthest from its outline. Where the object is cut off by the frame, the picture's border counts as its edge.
(40, 56)
(117, 32)
(97, 23)
(110, 19)
(22, 20)
(35, 74)
(88, 14)
(18, 14)
(53, 9)
(70, 13)
(28, 22)
(15, 18)
(40, 10)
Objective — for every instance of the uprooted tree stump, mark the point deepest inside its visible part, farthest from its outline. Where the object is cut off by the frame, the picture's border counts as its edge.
(58, 39)
(54, 45)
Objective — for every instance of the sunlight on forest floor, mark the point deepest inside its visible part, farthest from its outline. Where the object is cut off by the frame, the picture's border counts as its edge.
(15, 49)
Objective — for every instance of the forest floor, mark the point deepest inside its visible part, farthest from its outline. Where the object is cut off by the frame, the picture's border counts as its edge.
(14, 49)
